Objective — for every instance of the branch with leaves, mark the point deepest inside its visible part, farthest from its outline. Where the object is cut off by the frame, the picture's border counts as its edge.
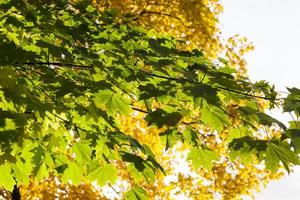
(113, 101)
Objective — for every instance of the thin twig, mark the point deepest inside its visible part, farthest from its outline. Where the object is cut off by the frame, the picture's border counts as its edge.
(294, 120)
(140, 110)
(114, 189)
(163, 77)
(58, 64)
(159, 13)
(218, 87)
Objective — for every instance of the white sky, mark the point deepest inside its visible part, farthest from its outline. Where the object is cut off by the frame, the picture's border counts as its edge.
(274, 28)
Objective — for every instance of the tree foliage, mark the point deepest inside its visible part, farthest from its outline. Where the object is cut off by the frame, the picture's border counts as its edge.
(195, 23)
(87, 99)
(192, 21)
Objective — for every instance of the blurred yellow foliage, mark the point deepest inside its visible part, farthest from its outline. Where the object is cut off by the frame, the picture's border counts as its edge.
(51, 188)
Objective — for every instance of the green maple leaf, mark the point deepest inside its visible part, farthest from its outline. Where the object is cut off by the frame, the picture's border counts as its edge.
(294, 134)
(73, 173)
(201, 157)
(214, 117)
(82, 151)
(103, 174)
(6, 178)
(237, 133)
(161, 117)
(113, 102)
(292, 102)
(22, 171)
(280, 152)
(42, 172)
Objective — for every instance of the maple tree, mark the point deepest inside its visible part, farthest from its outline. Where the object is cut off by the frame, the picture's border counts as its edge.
(86, 98)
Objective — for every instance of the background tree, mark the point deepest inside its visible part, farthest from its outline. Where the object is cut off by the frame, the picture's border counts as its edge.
(86, 99)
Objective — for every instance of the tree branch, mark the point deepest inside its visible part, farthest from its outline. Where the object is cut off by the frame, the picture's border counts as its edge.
(58, 64)
(140, 110)
(179, 80)
(218, 87)
(158, 13)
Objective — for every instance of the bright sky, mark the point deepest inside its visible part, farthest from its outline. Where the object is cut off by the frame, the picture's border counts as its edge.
(274, 28)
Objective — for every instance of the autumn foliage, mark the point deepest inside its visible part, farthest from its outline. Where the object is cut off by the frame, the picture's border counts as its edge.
(134, 100)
